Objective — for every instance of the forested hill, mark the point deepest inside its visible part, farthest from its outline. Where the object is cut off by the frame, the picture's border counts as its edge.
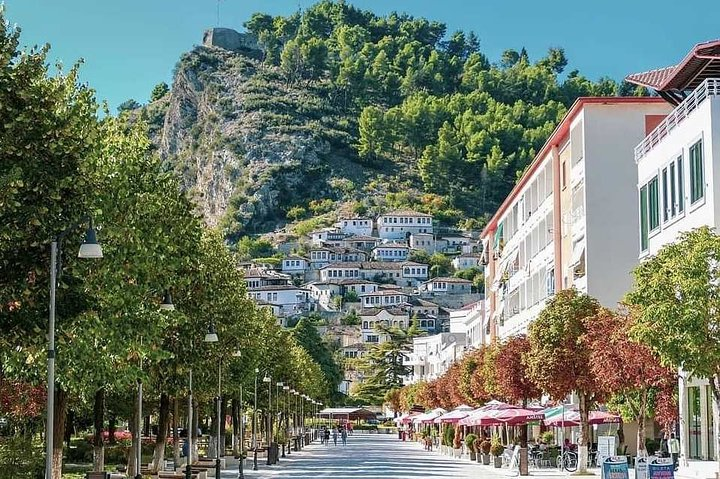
(341, 110)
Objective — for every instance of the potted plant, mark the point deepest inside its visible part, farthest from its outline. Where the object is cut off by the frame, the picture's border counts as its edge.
(457, 443)
(469, 441)
(478, 449)
(496, 449)
(448, 435)
(548, 438)
(485, 448)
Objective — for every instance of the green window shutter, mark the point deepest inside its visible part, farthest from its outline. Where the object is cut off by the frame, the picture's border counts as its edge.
(643, 218)
(654, 204)
(697, 177)
(680, 184)
(665, 195)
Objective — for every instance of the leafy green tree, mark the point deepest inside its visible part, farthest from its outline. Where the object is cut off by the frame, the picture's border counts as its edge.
(677, 291)
(128, 105)
(307, 336)
(373, 134)
(159, 91)
(558, 358)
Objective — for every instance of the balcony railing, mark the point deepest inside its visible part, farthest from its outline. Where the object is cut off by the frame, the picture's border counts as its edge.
(710, 87)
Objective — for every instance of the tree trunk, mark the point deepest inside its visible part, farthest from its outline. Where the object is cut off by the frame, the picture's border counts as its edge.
(223, 415)
(161, 438)
(146, 427)
(235, 412)
(641, 451)
(524, 464)
(194, 432)
(98, 420)
(60, 414)
(176, 433)
(213, 440)
(585, 403)
(112, 422)
(132, 427)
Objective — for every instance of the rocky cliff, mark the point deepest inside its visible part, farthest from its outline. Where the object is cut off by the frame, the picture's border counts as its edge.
(249, 146)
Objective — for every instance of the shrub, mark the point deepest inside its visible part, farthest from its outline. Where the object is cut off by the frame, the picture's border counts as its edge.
(448, 436)
(477, 444)
(470, 440)
(497, 450)
(485, 446)
(548, 438)
(295, 213)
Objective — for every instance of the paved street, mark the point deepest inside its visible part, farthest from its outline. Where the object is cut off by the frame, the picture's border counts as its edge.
(375, 456)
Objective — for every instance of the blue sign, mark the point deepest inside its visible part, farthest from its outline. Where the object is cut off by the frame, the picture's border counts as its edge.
(615, 467)
(659, 469)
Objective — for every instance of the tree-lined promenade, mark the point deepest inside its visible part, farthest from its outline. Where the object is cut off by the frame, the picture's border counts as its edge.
(60, 163)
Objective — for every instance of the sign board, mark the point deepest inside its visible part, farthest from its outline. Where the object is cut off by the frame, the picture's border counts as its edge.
(661, 468)
(641, 467)
(615, 467)
(605, 448)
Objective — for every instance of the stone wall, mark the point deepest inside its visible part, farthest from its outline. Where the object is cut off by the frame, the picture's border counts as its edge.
(229, 39)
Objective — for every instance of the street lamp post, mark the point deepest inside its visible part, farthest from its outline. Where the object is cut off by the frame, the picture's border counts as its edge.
(241, 473)
(212, 337)
(188, 459)
(254, 438)
(90, 249)
(286, 388)
(297, 420)
(278, 413)
(268, 422)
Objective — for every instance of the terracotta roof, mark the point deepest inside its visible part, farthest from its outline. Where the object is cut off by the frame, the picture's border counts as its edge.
(449, 279)
(362, 238)
(702, 62)
(384, 292)
(343, 265)
(415, 301)
(376, 311)
(276, 287)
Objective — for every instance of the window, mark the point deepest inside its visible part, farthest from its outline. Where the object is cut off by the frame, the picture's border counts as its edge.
(653, 204)
(550, 282)
(697, 180)
(643, 218)
(673, 191)
(564, 174)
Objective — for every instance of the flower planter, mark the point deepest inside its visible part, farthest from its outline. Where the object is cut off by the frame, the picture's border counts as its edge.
(486, 459)
(473, 456)
(478, 457)
(497, 462)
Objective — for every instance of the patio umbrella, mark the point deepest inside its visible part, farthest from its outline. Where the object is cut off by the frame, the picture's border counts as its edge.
(572, 418)
(516, 416)
(453, 416)
(428, 417)
(482, 416)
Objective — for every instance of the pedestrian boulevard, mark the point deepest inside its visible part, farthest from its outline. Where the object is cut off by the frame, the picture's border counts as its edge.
(372, 456)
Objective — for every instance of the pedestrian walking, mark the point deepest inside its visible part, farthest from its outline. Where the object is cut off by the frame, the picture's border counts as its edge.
(322, 435)
(335, 435)
(674, 448)
(343, 436)
(327, 436)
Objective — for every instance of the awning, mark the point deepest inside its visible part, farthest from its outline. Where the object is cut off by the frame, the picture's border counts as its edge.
(500, 308)
(517, 416)
(498, 236)
(483, 416)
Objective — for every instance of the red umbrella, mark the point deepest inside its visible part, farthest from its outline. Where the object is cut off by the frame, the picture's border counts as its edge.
(572, 418)
(517, 416)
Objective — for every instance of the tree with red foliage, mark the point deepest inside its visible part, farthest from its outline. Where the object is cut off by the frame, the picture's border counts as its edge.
(469, 364)
(625, 369)
(558, 360)
(512, 383)
(426, 395)
(479, 377)
(20, 400)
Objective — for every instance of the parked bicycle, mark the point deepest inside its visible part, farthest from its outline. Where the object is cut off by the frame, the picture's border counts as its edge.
(568, 461)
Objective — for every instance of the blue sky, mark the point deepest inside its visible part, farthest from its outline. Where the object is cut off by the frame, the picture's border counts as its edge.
(130, 45)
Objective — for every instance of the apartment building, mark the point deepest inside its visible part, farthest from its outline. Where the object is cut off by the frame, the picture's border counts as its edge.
(355, 226)
(432, 355)
(677, 192)
(571, 218)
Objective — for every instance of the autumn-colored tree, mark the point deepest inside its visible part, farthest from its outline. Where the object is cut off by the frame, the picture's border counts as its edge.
(479, 378)
(393, 400)
(625, 368)
(426, 395)
(469, 364)
(558, 359)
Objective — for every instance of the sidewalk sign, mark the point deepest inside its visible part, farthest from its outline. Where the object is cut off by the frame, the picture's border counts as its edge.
(641, 467)
(661, 468)
(605, 448)
(615, 467)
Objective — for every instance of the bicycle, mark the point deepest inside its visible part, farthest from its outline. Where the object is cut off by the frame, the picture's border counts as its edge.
(568, 461)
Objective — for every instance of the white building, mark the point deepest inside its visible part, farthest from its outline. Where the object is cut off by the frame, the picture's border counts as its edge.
(391, 252)
(364, 243)
(321, 256)
(328, 236)
(290, 300)
(456, 242)
(446, 285)
(370, 319)
(432, 355)
(295, 265)
(677, 191)
(466, 261)
(570, 220)
(339, 271)
(355, 226)
(383, 298)
(399, 225)
(471, 321)
(423, 241)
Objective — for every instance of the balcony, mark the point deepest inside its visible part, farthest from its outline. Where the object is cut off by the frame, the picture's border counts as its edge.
(708, 88)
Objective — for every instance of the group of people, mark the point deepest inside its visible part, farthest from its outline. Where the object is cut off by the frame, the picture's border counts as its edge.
(336, 432)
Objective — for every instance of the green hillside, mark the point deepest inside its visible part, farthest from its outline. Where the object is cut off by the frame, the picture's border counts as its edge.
(341, 110)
